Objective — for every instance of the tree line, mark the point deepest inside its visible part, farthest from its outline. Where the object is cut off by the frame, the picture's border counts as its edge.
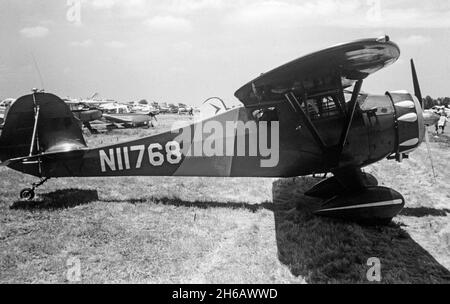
(430, 102)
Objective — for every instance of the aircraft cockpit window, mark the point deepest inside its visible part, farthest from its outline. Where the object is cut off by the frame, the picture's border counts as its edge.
(267, 114)
(321, 107)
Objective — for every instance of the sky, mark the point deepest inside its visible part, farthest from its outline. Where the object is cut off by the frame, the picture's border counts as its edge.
(189, 50)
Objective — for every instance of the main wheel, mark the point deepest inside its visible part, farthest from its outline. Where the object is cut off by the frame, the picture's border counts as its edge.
(27, 194)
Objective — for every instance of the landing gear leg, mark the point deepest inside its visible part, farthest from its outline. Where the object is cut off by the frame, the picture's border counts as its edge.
(28, 193)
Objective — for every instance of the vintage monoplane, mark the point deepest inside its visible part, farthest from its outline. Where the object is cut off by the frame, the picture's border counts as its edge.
(84, 113)
(306, 117)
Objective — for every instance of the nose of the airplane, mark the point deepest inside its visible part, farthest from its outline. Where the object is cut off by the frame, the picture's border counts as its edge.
(410, 127)
(430, 118)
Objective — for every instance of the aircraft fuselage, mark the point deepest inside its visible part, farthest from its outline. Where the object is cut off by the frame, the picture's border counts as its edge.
(270, 141)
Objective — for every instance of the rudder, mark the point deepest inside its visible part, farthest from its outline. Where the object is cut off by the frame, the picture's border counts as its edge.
(57, 128)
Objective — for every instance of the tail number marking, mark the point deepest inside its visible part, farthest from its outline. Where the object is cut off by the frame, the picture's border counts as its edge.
(119, 158)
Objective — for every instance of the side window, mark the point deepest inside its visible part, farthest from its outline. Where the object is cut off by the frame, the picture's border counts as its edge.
(266, 114)
(322, 107)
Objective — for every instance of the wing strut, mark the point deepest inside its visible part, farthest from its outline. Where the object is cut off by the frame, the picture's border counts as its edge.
(296, 105)
(351, 114)
(341, 96)
(34, 138)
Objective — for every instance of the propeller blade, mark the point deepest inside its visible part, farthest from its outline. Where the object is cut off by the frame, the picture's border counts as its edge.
(429, 118)
(417, 90)
(427, 140)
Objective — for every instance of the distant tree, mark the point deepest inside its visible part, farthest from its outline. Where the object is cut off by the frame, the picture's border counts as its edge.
(446, 101)
(429, 102)
(143, 102)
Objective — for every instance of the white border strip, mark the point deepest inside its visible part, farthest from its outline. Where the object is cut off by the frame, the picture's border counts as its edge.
(379, 204)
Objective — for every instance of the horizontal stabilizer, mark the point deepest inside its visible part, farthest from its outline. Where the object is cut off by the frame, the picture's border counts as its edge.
(45, 156)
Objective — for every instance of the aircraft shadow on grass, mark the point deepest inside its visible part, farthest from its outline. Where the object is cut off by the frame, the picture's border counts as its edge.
(60, 199)
(329, 251)
(319, 249)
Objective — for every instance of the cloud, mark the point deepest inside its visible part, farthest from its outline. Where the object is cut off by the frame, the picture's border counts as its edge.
(291, 13)
(84, 44)
(339, 13)
(283, 14)
(182, 47)
(34, 32)
(168, 23)
(186, 7)
(414, 40)
(115, 44)
(103, 4)
(149, 7)
(47, 22)
(121, 8)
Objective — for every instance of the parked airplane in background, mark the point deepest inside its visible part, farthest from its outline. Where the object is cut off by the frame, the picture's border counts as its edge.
(173, 108)
(84, 113)
(184, 109)
(92, 101)
(144, 109)
(6, 103)
(4, 107)
(120, 114)
(296, 120)
(163, 108)
(439, 109)
(114, 108)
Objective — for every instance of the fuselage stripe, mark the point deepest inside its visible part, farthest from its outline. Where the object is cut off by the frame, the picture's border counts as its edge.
(378, 204)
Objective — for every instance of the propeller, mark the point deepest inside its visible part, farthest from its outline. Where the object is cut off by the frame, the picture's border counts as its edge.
(417, 90)
(429, 118)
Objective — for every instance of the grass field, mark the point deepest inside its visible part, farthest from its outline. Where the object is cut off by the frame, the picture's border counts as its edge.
(220, 230)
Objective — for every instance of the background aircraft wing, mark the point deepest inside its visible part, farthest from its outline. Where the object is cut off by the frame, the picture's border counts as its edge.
(327, 70)
(127, 118)
(118, 119)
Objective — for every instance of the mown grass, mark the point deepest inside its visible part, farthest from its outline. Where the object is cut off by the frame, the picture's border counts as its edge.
(217, 230)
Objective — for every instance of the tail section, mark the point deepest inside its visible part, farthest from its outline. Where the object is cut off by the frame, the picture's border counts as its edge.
(56, 128)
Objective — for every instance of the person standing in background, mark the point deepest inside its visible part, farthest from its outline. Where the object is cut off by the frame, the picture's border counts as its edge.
(442, 122)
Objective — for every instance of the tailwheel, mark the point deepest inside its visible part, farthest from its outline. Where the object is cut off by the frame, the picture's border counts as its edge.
(27, 194)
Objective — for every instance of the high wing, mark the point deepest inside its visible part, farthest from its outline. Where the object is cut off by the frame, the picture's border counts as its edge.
(329, 70)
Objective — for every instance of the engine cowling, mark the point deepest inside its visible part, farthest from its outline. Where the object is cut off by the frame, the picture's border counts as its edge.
(408, 122)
